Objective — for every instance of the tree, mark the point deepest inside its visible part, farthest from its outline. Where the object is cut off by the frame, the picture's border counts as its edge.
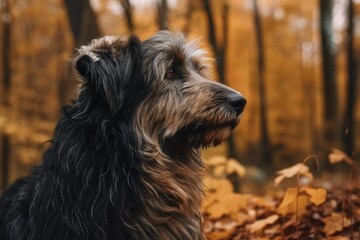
(264, 132)
(82, 21)
(128, 12)
(329, 72)
(162, 10)
(83, 24)
(6, 82)
(353, 74)
(220, 50)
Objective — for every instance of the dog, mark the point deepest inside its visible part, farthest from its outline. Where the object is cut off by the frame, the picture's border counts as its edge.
(124, 160)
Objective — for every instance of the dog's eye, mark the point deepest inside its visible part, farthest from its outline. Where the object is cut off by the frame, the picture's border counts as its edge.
(171, 73)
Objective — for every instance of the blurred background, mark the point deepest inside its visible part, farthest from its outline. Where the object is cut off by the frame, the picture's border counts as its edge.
(297, 63)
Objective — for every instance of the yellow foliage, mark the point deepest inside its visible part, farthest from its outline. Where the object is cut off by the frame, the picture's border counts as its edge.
(293, 171)
(317, 195)
(334, 223)
(220, 166)
(290, 204)
(221, 200)
(260, 224)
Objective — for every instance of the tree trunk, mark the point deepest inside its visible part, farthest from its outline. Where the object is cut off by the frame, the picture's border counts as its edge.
(162, 8)
(190, 8)
(213, 40)
(84, 27)
(128, 11)
(352, 65)
(265, 156)
(6, 82)
(329, 73)
(220, 55)
(82, 21)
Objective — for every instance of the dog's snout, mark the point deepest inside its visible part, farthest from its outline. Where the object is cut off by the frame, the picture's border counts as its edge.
(237, 101)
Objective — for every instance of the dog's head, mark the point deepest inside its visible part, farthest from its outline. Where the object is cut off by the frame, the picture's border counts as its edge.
(163, 83)
(110, 68)
(182, 105)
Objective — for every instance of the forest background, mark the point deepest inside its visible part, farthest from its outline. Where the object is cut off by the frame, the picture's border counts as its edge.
(296, 62)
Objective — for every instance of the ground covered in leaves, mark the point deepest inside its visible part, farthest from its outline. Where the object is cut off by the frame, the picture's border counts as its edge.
(300, 212)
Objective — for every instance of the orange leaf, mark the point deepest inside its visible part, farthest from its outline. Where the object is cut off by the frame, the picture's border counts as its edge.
(293, 171)
(217, 210)
(339, 238)
(317, 195)
(226, 204)
(288, 205)
(333, 223)
(260, 224)
(289, 197)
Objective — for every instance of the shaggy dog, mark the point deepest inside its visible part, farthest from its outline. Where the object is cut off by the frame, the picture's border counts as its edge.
(124, 158)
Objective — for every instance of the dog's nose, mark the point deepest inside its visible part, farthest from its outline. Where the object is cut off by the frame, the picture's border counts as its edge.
(237, 101)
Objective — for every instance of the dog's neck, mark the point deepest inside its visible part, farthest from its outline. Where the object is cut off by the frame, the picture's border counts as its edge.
(172, 191)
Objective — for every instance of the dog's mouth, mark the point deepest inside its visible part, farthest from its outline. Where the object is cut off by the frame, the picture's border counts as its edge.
(208, 135)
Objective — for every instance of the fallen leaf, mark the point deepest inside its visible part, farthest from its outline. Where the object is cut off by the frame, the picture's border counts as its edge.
(216, 160)
(289, 197)
(239, 217)
(337, 156)
(217, 210)
(260, 224)
(226, 205)
(334, 224)
(234, 166)
(225, 225)
(317, 195)
(219, 235)
(294, 206)
(293, 171)
(220, 186)
(339, 238)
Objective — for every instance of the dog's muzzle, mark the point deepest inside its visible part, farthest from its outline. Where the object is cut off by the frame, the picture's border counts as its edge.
(237, 101)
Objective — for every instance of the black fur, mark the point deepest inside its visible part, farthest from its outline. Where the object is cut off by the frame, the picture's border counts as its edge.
(84, 189)
(124, 160)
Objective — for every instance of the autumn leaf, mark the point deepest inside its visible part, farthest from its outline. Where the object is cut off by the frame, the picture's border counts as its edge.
(333, 223)
(337, 156)
(221, 199)
(289, 197)
(216, 160)
(219, 235)
(225, 225)
(317, 195)
(293, 171)
(288, 204)
(260, 224)
(217, 210)
(222, 186)
(234, 166)
(227, 204)
(338, 238)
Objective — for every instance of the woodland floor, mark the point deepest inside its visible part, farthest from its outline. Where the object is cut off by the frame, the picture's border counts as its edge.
(311, 209)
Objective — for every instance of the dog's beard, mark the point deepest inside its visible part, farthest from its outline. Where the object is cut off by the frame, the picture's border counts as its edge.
(207, 135)
(212, 138)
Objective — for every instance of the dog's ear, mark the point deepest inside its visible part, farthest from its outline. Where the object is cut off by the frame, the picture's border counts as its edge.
(84, 66)
(111, 66)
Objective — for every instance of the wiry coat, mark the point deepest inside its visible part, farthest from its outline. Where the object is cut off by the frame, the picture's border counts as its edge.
(124, 158)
